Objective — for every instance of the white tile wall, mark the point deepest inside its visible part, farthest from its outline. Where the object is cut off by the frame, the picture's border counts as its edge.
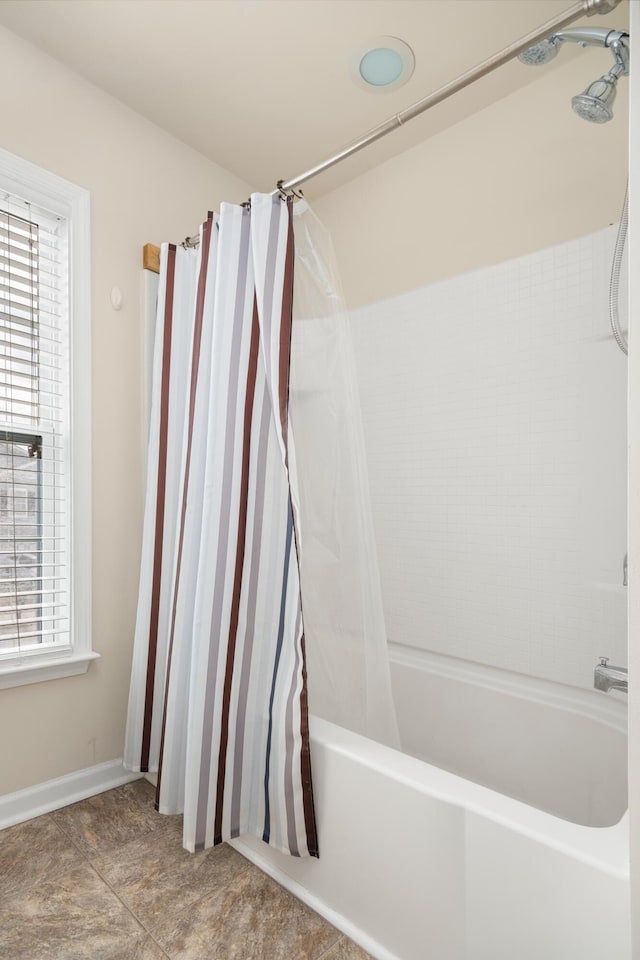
(494, 408)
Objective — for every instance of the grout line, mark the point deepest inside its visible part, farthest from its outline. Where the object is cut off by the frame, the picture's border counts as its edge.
(323, 956)
(245, 869)
(126, 907)
(65, 834)
(92, 856)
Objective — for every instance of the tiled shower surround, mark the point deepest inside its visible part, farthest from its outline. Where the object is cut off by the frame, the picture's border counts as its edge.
(494, 409)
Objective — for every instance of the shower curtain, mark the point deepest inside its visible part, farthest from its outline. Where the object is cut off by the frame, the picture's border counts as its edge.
(218, 702)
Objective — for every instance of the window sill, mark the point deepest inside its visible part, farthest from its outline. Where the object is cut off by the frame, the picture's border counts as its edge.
(20, 674)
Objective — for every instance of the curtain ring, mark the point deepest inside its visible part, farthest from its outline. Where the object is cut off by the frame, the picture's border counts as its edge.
(290, 193)
(190, 243)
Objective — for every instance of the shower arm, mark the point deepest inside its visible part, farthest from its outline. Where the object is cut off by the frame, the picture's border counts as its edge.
(582, 8)
(616, 40)
(590, 36)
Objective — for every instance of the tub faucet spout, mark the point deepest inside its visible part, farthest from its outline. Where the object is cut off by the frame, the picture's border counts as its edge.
(607, 678)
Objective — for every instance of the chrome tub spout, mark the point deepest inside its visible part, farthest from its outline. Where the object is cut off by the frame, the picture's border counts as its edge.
(607, 678)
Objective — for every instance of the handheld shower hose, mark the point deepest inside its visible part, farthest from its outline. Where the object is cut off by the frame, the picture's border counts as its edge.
(614, 284)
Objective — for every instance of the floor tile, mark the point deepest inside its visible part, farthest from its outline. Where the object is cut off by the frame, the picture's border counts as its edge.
(143, 948)
(346, 950)
(142, 792)
(106, 820)
(137, 886)
(33, 852)
(252, 918)
(157, 879)
(72, 917)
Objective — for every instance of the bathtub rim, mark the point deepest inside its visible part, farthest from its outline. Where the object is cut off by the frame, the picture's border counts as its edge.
(590, 704)
(605, 848)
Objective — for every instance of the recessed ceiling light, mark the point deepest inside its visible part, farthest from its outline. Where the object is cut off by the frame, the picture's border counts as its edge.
(384, 63)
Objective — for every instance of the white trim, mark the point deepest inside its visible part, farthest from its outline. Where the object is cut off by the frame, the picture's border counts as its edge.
(368, 944)
(591, 704)
(53, 794)
(80, 362)
(63, 198)
(18, 675)
(36, 185)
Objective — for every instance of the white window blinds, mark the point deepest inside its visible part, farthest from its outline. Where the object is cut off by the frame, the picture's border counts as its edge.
(34, 431)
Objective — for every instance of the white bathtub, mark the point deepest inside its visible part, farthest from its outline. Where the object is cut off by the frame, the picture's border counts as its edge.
(419, 863)
(554, 747)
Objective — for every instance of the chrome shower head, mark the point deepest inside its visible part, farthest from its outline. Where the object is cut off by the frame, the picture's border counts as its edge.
(540, 53)
(547, 49)
(595, 104)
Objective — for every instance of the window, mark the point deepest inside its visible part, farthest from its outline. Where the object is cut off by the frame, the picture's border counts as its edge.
(45, 625)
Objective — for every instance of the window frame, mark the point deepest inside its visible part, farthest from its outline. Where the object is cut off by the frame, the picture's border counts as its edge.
(35, 185)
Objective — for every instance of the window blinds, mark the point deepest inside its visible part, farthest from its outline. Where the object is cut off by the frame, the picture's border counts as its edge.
(34, 430)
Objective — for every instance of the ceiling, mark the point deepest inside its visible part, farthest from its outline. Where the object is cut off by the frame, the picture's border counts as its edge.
(263, 87)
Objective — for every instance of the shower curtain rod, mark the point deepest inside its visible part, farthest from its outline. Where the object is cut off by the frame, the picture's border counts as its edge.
(582, 8)
(587, 8)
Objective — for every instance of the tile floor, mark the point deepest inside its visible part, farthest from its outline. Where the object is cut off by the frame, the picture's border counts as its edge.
(107, 879)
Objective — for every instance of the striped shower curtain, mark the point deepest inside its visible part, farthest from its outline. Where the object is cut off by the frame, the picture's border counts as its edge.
(218, 701)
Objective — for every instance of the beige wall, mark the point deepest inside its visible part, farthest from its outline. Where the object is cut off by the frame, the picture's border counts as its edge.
(519, 176)
(145, 186)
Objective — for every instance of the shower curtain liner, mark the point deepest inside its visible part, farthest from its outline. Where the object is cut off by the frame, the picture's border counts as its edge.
(218, 702)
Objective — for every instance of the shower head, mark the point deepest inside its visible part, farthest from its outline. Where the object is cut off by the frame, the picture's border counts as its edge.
(546, 50)
(541, 52)
(595, 104)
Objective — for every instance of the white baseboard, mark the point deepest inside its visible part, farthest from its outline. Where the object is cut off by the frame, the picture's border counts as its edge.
(336, 919)
(53, 794)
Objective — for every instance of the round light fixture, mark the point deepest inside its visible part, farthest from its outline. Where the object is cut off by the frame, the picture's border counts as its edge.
(384, 63)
